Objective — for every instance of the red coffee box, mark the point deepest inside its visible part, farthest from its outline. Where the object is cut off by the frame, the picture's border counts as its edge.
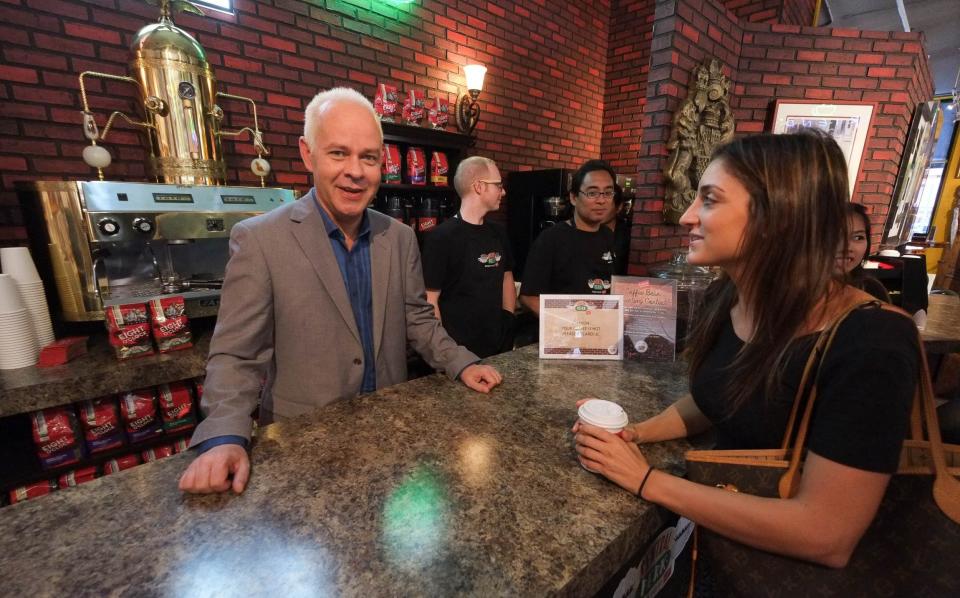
(77, 476)
(180, 445)
(171, 328)
(439, 167)
(31, 491)
(390, 170)
(131, 341)
(385, 102)
(118, 316)
(176, 406)
(100, 419)
(413, 107)
(138, 408)
(160, 452)
(56, 436)
(438, 112)
(416, 166)
(120, 463)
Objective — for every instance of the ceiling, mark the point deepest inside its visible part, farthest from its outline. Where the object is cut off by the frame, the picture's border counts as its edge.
(939, 20)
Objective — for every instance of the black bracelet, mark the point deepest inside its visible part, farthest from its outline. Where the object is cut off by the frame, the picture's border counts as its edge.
(644, 482)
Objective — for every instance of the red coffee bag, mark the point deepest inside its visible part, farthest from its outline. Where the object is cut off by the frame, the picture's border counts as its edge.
(33, 490)
(171, 328)
(416, 166)
(160, 452)
(438, 112)
(56, 436)
(139, 411)
(385, 102)
(100, 419)
(120, 463)
(390, 170)
(131, 341)
(176, 406)
(439, 167)
(118, 316)
(413, 107)
(77, 476)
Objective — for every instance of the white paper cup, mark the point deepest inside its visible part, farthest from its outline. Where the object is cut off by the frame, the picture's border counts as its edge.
(603, 414)
(10, 299)
(16, 261)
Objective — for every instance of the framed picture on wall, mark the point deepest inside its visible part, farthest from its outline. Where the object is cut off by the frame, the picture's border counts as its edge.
(847, 122)
(907, 194)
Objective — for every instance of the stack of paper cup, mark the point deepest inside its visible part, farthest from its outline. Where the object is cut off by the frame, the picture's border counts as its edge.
(16, 262)
(18, 341)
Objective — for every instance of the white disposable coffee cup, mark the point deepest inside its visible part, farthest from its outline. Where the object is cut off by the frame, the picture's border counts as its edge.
(16, 261)
(603, 414)
(10, 299)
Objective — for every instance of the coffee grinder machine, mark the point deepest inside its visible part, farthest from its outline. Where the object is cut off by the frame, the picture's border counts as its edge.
(106, 243)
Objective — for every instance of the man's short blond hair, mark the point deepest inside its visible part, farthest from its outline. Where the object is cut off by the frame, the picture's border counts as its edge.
(323, 100)
(469, 170)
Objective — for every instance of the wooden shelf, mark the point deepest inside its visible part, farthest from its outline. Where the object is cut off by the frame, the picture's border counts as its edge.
(434, 138)
(407, 187)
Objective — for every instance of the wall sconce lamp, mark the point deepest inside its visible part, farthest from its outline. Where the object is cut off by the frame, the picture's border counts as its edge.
(467, 109)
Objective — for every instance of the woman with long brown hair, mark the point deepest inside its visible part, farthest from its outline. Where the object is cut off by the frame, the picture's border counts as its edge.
(771, 212)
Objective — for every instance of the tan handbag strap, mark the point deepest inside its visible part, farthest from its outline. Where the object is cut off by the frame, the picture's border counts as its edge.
(791, 478)
(923, 416)
(816, 356)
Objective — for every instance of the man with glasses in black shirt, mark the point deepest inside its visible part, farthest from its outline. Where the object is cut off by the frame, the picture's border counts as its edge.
(468, 267)
(576, 256)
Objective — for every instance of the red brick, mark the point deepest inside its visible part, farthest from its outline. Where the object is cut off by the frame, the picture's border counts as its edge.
(18, 74)
(93, 32)
(818, 94)
(279, 44)
(881, 72)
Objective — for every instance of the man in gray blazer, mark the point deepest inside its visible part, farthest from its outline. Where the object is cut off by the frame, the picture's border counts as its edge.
(319, 300)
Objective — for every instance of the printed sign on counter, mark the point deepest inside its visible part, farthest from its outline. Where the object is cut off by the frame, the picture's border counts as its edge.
(581, 327)
(649, 317)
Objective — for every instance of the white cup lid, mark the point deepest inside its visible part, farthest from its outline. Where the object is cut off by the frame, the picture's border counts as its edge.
(605, 414)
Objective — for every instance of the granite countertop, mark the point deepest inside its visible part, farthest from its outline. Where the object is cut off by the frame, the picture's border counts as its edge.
(96, 374)
(422, 489)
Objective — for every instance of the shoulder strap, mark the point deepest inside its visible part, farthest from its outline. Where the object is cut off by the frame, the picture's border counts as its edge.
(808, 387)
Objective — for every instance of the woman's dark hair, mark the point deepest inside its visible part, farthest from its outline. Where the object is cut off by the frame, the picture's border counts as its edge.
(797, 218)
(588, 167)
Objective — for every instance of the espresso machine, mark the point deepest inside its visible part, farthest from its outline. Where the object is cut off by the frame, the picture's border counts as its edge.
(106, 243)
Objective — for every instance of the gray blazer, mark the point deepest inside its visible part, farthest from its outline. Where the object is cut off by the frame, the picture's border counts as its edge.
(286, 332)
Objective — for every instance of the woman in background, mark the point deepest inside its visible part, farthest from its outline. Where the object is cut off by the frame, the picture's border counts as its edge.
(850, 261)
(770, 212)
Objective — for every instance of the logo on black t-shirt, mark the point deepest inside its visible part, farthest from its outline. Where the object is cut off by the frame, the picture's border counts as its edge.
(490, 260)
(607, 257)
(598, 285)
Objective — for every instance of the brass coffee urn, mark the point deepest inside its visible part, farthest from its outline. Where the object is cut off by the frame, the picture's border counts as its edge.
(178, 92)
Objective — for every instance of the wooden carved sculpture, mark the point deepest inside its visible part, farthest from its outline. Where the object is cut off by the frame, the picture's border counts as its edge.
(703, 122)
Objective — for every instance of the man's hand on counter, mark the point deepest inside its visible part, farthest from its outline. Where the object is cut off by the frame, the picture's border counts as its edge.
(481, 378)
(210, 471)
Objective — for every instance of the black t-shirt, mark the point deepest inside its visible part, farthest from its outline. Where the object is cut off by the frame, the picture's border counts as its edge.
(567, 260)
(863, 404)
(466, 263)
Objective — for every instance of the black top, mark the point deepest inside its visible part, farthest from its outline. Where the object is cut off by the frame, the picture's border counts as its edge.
(567, 260)
(863, 404)
(466, 263)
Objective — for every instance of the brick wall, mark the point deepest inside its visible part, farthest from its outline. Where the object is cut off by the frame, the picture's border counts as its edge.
(767, 62)
(687, 33)
(790, 12)
(542, 101)
(628, 62)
